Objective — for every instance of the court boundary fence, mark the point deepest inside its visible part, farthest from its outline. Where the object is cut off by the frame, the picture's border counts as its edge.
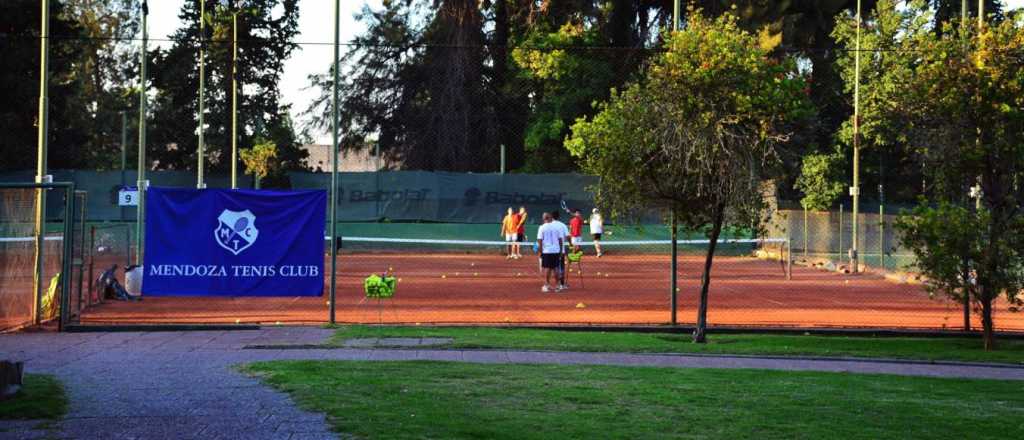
(67, 239)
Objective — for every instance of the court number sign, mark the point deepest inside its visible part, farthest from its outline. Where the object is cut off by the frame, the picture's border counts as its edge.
(128, 196)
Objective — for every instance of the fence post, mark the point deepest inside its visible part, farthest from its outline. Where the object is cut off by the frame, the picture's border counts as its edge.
(881, 236)
(65, 279)
(789, 258)
(674, 267)
(805, 233)
(840, 257)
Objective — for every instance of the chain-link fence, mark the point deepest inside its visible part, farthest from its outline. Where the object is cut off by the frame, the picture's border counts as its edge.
(826, 237)
(35, 256)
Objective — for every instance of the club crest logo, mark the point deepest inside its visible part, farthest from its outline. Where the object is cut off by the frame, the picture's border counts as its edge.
(236, 231)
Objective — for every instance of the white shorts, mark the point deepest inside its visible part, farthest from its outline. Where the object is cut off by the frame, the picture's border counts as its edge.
(510, 237)
(576, 241)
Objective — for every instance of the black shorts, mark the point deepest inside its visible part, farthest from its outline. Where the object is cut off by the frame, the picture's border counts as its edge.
(550, 261)
(596, 236)
(521, 236)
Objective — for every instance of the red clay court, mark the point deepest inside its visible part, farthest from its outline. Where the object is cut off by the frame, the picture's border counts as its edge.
(617, 289)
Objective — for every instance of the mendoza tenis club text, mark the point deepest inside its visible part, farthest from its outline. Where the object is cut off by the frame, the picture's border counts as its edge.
(215, 270)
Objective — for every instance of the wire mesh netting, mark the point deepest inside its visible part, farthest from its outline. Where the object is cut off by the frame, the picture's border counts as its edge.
(24, 301)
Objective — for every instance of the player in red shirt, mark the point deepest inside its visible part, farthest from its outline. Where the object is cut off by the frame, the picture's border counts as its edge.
(576, 230)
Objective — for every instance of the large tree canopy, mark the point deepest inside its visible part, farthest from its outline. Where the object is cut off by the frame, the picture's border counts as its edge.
(698, 135)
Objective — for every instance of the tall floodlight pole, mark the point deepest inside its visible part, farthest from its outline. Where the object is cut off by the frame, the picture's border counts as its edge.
(201, 153)
(234, 98)
(124, 152)
(981, 14)
(675, 15)
(673, 264)
(140, 221)
(44, 120)
(334, 156)
(855, 189)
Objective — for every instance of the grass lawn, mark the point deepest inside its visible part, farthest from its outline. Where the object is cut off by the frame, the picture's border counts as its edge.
(455, 400)
(41, 397)
(951, 349)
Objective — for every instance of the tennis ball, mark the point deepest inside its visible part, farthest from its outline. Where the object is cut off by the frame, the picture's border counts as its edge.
(472, 264)
(519, 274)
(606, 275)
(277, 323)
(581, 306)
(238, 321)
(475, 274)
(391, 268)
(599, 274)
(399, 280)
(456, 274)
(444, 276)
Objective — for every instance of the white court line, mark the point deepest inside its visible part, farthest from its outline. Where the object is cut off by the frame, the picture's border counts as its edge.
(27, 239)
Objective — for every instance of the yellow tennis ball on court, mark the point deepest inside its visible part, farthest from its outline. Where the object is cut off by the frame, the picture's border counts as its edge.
(399, 280)
(444, 276)
(391, 268)
(472, 264)
(599, 274)
(475, 274)
(606, 275)
(581, 306)
(519, 274)
(277, 323)
(237, 321)
(456, 274)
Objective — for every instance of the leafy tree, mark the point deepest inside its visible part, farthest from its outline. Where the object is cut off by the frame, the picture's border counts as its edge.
(260, 160)
(69, 128)
(818, 180)
(698, 135)
(964, 104)
(267, 29)
(890, 38)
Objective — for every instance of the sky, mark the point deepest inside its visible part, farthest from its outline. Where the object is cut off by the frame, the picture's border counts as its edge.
(316, 24)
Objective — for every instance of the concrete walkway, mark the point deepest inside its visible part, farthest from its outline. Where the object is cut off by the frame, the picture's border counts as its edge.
(182, 385)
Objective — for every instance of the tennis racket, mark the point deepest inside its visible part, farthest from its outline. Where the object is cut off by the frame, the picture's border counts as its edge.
(565, 207)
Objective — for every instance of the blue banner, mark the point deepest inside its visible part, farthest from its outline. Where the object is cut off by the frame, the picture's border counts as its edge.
(217, 242)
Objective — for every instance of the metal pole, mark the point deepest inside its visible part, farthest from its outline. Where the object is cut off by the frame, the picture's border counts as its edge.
(65, 277)
(202, 94)
(41, 167)
(502, 158)
(334, 158)
(981, 14)
(124, 152)
(806, 246)
(789, 258)
(674, 268)
(881, 236)
(840, 231)
(140, 220)
(234, 99)
(855, 189)
(675, 15)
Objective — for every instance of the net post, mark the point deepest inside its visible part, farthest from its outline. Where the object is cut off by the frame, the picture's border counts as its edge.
(789, 258)
(65, 279)
(674, 267)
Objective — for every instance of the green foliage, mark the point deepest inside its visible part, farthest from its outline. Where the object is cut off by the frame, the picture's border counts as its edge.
(974, 84)
(266, 31)
(699, 132)
(819, 180)
(947, 241)
(568, 79)
(261, 159)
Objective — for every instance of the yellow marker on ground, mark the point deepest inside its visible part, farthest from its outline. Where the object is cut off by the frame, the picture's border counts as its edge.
(581, 306)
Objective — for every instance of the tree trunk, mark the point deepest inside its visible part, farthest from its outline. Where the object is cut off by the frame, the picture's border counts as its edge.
(987, 325)
(700, 333)
(12, 375)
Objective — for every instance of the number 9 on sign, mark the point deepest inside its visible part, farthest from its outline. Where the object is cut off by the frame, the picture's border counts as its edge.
(128, 197)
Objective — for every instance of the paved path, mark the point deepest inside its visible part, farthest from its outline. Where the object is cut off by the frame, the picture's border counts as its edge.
(181, 385)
